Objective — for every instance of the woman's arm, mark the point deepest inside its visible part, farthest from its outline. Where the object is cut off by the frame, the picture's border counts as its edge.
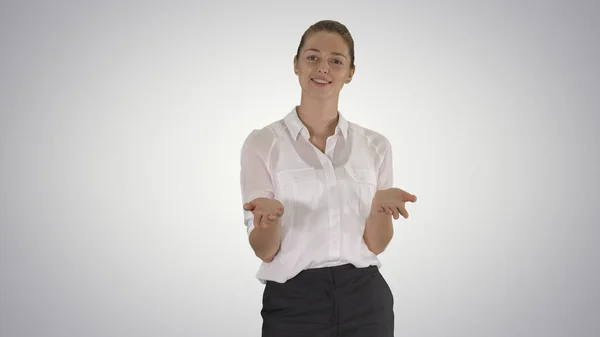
(266, 241)
(258, 193)
(379, 231)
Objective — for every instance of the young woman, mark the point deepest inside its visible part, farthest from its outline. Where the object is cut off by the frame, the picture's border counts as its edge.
(319, 203)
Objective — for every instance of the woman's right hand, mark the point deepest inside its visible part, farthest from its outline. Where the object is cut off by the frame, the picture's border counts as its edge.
(267, 212)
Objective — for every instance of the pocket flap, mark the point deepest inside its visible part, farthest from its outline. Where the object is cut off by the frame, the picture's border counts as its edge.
(297, 176)
(362, 175)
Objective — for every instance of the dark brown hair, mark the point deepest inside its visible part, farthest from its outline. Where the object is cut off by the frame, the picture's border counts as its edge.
(332, 27)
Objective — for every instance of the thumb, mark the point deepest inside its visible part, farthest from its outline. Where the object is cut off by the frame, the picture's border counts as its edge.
(248, 206)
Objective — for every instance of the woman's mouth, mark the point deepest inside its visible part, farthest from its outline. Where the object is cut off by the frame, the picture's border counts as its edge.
(320, 82)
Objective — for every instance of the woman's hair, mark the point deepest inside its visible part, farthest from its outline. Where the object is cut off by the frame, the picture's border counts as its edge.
(330, 26)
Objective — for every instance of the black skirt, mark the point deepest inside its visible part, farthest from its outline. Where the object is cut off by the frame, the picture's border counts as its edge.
(342, 301)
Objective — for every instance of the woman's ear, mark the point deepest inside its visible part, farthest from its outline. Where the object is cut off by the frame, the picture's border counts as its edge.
(351, 74)
(295, 64)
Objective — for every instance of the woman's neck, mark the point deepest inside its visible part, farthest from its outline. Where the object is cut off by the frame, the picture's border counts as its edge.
(319, 116)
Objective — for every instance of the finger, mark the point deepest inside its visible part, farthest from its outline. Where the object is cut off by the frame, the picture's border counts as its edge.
(265, 223)
(396, 215)
(408, 197)
(386, 209)
(379, 209)
(249, 206)
(405, 196)
(257, 220)
(403, 211)
(271, 220)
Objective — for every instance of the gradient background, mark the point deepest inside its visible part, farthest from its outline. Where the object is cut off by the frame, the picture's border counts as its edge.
(120, 134)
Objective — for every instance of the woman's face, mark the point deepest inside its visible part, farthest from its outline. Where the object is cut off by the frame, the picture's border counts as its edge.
(323, 65)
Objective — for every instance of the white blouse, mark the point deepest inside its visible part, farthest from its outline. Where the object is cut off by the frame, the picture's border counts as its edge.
(326, 196)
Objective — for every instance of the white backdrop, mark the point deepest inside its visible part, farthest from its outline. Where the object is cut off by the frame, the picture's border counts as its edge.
(120, 133)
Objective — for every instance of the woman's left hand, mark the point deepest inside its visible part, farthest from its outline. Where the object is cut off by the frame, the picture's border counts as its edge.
(392, 201)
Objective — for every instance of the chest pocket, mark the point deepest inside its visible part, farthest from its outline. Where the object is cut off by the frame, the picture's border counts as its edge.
(360, 189)
(299, 190)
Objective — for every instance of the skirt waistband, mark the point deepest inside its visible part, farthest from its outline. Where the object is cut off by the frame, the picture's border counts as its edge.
(330, 275)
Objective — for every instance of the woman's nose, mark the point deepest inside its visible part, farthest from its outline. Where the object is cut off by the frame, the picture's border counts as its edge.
(323, 66)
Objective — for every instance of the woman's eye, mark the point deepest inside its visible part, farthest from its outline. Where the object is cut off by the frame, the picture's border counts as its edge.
(337, 61)
(312, 58)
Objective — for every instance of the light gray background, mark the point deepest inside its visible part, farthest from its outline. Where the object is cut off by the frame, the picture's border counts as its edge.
(120, 132)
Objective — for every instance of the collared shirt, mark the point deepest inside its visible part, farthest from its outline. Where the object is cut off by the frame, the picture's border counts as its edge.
(326, 195)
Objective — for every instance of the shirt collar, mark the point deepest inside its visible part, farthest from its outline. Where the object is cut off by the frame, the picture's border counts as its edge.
(295, 125)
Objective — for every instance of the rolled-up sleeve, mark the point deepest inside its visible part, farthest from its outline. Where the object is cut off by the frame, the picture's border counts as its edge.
(255, 175)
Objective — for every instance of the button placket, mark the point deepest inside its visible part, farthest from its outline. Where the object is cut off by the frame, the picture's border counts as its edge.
(333, 199)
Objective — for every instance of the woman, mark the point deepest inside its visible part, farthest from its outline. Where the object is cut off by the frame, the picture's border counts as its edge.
(319, 203)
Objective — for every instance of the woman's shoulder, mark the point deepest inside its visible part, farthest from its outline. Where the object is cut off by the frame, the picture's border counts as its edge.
(268, 132)
(262, 138)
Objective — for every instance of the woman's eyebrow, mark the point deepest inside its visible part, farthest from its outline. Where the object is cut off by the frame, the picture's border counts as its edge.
(318, 51)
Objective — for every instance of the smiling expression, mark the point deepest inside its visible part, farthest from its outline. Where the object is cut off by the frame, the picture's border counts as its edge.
(323, 65)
